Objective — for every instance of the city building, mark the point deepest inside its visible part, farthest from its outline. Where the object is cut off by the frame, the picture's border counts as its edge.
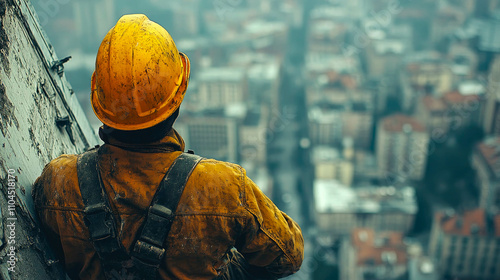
(464, 61)
(491, 115)
(213, 133)
(464, 106)
(358, 123)
(366, 170)
(431, 112)
(330, 164)
(344, 112)
(266, 36)
(486, 162)
(426, 73)
(401, 148)
(466, 245)
(339, 209)
(453, 110)
(263, 82)
(447, 19)
(253, 136)
(373, 255)
(219, 87)
(327, 35)
(386, 49)
(93, 19)
(325, 125)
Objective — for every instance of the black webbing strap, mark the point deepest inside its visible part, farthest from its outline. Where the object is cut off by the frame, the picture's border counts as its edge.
(98, 215)
(149, 248)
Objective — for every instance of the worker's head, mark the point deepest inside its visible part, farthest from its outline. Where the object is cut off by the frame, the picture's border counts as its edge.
(140, 77)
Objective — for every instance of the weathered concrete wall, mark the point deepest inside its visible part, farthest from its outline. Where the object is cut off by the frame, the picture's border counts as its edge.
(40, 119)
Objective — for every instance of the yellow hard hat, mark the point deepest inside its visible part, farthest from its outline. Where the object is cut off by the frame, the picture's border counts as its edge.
(140, 77)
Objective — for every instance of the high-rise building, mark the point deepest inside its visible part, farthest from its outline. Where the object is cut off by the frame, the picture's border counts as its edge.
(452, 111)
(424, 73)
(330, 164)
(486, 162)
(93, 20)
(466, 245)
(326, 125)
(211, 134)
(431, 111)
(340, 113)
(402, 144)
(491, 115)
(373, 255)
(254, 136)
(219, 87)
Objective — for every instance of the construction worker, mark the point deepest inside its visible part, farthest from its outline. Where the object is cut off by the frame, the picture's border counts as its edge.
(138, 207)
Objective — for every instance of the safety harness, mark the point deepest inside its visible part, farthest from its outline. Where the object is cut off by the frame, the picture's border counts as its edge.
(149, 247)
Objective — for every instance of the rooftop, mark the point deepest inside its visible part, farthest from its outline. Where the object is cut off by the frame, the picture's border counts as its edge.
(368, 199)
(401, 123)
(264, 72)
(233, 74)
(433, 104)
(325, 116)
(378, 248)
(261, 27)
(325, 154)
(324, 62)
(456, 97)
(473, 222)
(389, 46)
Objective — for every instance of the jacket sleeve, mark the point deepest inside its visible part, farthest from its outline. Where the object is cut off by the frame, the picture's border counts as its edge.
(271, 241)
(45, 217)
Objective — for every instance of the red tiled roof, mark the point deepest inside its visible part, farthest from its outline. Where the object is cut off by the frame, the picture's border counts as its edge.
(370, 252)
(433, 104)
(465, 224)
(456, 97)
(462, 224)
(395, 123)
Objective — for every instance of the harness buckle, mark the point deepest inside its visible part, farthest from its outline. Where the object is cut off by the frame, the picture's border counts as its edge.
(148, 253)
(99, 221)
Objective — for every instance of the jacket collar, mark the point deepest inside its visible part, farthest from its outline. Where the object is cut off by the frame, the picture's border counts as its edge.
(170, 143)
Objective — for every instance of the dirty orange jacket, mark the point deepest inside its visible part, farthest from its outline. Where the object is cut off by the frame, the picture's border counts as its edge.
(220, 208)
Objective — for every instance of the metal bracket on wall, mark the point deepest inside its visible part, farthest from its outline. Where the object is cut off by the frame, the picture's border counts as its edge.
(66, 123)
(58, 65)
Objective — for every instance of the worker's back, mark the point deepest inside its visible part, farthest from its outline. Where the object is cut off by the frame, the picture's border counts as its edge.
(220, 209)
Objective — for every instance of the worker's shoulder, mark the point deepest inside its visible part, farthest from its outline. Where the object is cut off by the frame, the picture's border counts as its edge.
(217, 168)
(216, 188)
(63, 161)
(58, 183)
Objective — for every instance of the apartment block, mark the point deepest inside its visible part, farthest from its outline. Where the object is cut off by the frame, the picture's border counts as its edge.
(340, 209)
(467, 245)
(401, 148)
(373, 255)
(486, 162)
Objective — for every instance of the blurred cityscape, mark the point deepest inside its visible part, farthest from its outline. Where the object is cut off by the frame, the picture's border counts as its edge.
(375, 124)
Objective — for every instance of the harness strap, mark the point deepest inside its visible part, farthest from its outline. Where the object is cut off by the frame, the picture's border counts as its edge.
(98, 215)
(149, 248)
